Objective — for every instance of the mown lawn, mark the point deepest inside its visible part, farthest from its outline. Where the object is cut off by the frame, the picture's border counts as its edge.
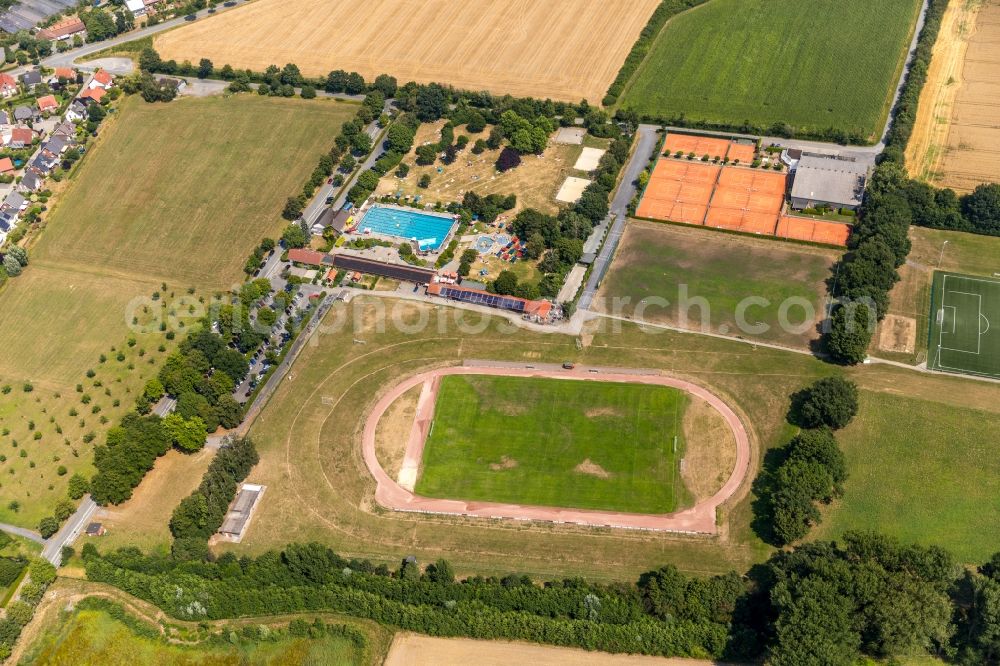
(184, 191)
(660, 267)
(92, 637)
(922, 471)
(554, 442)
(813, 65)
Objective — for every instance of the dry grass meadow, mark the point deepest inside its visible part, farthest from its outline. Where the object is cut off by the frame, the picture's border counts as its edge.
(535, 181)
(559, 49)
(956, 136)
(170, 197)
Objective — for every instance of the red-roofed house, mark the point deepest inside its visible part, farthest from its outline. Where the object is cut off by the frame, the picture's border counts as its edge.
(67, 73)
(101, 80)
(20, 137)
(47, 104)
(6, 166)
(63, 29)
(96, 94)
(539, 309)
(8, 85)
(303, 256)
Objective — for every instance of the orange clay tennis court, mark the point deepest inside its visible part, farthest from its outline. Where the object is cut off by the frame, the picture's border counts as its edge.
(711, 146)
(679, 191)
(731, 198)
(813, 231)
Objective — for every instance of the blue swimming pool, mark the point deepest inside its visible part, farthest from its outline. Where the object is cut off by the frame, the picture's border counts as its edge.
(429, 230)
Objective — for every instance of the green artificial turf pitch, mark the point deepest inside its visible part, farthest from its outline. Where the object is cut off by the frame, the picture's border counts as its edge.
(965, 325)
(556, 442)
(813, 65)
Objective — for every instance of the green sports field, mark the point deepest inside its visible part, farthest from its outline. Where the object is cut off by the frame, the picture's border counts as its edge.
(965, 325)
(812, 65)
(556, 442)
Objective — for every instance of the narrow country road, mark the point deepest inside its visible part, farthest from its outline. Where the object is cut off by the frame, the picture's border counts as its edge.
(65, 536)
(22, 532)
(645, 145)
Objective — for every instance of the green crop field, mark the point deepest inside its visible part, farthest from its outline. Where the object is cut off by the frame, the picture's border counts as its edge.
(965, 325)
(659, 265)
(812, 65)
(184, 191)
(554, 442)
(922, 471)
(94, 638)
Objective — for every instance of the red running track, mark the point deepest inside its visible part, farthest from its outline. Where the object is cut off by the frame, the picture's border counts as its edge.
(700, 519)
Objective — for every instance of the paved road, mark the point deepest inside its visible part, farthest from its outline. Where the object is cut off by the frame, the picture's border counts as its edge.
(22, 532)
(164, 406)
(645, 146)
(65, 536)
(315, 207)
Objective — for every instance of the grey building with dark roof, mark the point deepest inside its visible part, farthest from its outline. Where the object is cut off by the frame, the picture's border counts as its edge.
(836, 182)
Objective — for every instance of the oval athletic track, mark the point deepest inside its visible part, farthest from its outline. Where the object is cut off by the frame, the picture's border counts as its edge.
(699, 519)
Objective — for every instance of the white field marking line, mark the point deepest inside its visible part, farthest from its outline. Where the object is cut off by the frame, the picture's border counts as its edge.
(979, 335)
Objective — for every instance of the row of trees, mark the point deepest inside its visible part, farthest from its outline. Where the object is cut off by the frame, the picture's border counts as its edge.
(201, 374)
(18, 613)
(866, 596)
(877, 248)
(200, 514)
(810, 468)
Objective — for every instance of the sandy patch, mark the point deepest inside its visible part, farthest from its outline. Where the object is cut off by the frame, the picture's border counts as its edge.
(570, 135)
(394, 430)
(602, 411)
(505, 463)
(710, 451)
(589, 159)
(572, 189)
(897, 334)
(591, 468)
(415, 650)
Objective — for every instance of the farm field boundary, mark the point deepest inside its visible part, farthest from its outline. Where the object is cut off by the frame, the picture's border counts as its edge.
(699, 519)
(528, 48)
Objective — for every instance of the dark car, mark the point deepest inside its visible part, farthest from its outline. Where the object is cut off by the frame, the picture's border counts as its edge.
(231, 3)
(190, 17)
(211, 10)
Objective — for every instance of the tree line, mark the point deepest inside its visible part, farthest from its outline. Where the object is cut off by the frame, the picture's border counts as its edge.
(864, 596)
(200, 514)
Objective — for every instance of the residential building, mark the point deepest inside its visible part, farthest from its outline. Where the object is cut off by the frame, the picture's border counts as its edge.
(8, 86)
(57, 144)
(4, 118)
(6, 166)
(77, 111)
(831, 181)
(64, 29)
(47, 104)
(20, 137)
(137, 7)
(31, 182)
(101, 79)
(31, 79)
(67, 73)
(23, 114)
(96, 94)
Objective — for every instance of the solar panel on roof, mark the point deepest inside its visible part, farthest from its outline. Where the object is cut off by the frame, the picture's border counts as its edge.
(492, 300)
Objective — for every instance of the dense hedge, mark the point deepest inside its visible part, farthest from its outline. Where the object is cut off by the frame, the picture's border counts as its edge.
(904, 114)
(200, 514)
(667, 10)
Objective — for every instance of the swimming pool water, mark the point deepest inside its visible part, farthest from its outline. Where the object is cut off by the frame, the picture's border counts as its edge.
(429, 230)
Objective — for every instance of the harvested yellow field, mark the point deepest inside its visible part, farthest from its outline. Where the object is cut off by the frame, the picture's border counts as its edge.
(956, 136)
(560, 49)
(416, 650)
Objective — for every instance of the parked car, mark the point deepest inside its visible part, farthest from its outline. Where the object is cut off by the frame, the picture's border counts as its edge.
(190, 17)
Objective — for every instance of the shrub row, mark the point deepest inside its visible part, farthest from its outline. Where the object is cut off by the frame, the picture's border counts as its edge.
(200, 514)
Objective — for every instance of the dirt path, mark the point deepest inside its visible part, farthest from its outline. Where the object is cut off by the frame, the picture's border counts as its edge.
(700, 519)
(929, 142)
(417, 650)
